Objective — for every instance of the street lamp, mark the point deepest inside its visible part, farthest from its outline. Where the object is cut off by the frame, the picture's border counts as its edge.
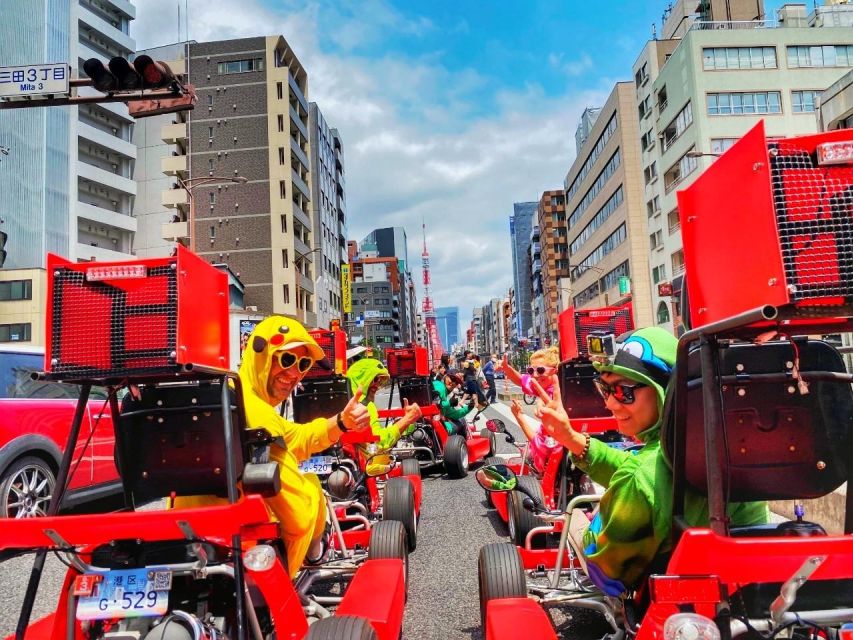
(699, 154)
(191, 183)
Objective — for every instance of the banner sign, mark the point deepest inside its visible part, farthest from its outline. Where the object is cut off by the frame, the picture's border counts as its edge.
(34, 80)
(346, 289)
(246, 328)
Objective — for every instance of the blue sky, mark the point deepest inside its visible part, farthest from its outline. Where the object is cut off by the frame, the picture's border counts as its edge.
(450, 110)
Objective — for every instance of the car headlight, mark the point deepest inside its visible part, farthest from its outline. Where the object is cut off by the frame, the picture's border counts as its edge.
(261, 557)
(690, 626)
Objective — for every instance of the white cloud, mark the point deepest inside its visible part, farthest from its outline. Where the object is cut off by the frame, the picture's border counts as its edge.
(571, 68)
(417, 145)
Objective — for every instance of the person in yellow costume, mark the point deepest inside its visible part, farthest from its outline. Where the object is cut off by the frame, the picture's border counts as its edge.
(279, 353)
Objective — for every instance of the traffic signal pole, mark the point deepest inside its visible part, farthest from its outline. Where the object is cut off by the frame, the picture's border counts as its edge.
(114, 97)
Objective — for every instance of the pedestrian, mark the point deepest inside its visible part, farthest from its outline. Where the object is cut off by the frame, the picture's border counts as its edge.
(489, 373)
(470, 375)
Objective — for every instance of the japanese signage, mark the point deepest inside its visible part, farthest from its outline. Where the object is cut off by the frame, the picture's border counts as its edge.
(346, 289)
(246, 328)
(34, 80)
(665, 289)
(372, 313)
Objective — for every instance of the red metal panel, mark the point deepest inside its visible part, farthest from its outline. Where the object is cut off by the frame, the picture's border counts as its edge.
(507, 617)
(576, 324)
(382, 606)
(203, 336)
(334, 345)
(409, 361)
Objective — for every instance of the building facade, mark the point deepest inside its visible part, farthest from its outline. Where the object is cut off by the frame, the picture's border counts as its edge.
(67, 183)
(606, 222)
(520, 228)
(551, 220)
(329, 224)
(447, 322)
(718, 81)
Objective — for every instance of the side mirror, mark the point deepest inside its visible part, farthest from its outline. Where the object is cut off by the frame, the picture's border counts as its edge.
(496, 425)
(496, 477)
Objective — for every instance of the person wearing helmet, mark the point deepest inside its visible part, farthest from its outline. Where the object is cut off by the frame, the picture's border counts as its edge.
(451, 412)
(279, 353)
(631, 532)
(371, 375)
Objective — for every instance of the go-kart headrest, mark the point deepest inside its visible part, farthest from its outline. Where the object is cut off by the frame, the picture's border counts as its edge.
(777, 444)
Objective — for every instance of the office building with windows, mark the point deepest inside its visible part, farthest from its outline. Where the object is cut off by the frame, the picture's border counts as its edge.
(605, 219)
(447, 321)
(707, 88)
(553, 239)
(66, 183)
(521, 224)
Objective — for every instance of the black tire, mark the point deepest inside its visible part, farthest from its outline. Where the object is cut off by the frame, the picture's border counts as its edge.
(521, 521)
(492, 459)
(493, 443)
(500, 575)
(398, 504)
(410, 467)
(456, 457)
(342, 628)
(26, 488)
(388, 540)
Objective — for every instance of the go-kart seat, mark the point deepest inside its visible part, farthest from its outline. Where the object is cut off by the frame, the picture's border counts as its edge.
(778, 444)
(172, 441)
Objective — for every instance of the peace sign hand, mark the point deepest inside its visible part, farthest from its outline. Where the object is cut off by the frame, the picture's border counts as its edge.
(555, 420)
(355, 415)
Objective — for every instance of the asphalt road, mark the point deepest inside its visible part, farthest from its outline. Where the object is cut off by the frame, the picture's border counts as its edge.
(443, 598)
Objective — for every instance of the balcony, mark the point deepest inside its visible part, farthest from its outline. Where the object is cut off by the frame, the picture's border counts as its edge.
(298, 152)
(294, 88)
(299, 183)
(106, 140)
(86, 251)
(173, 133)
(175, 198)
(174, 165)
(100, 176)
(103, 216)
(174, 231)
(106, 30)
(305, 282)
(300, 247)
(295, 119)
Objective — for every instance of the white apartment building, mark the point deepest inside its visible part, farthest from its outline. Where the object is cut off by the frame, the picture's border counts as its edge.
(696, 96)
(67, 185)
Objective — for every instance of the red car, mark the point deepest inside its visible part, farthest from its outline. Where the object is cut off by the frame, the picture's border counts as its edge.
(35, 417)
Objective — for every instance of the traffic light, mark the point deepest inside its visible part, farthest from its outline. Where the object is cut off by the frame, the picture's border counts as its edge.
(3, 237)
(120, 75)
(102, 79)
(156, 74)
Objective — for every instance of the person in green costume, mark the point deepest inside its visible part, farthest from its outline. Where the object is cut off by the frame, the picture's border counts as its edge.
(631, 532)
(370, 374)
(451, 414)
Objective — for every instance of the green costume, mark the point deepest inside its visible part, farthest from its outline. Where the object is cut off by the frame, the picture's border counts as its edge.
(448, 411)
(362, 374)
(632, 528)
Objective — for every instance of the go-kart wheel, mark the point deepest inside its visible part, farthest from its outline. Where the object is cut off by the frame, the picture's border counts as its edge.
(500, 575)
(26, 488)
(492, 460)
(398, 504)
(521, 521)
(410, 467)
(456, 457)
(493, 443)
(342, 628)
(388, 541)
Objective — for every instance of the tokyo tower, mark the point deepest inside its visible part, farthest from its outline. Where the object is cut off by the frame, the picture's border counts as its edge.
(434, 340)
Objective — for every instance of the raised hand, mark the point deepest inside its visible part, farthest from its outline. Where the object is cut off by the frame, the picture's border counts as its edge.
(412, 412)
(355, 415)
(515, 408)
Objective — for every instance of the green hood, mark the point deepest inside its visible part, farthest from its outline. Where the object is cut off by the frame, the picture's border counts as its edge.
(363, 373)
(646, 356)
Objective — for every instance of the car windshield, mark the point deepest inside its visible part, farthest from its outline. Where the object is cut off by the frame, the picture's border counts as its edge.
(16, 381)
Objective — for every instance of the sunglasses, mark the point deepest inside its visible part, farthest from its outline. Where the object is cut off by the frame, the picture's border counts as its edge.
(541, 371)
(286, 359)
(622, 393)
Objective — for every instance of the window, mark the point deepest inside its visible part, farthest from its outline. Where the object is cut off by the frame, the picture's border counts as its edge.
(663, 312)
(281, 156)
(16, 290)
(642, 75)
(650, 173)
(677, 260)
(610, 243)
(556, 201)
(677, 126)
(681, 169)
(282, 188)
(661, 98)
(721, 145)
(673, 220)
(286, 289)
(804, 101)
(659, 273)
(20, 332)
(833, 55)
(241, 66)
(719, 58)
(212, 196)
(280, 123)
(653, 206)
(608, 170)
(598, 219)
(210, 132)
(724, 104)
(645, 107)
(284, 223)
(212, 232)
(597, 150)
(656, 240)
(647, 140)
(210, 99)
(210, 165)
(279, 88)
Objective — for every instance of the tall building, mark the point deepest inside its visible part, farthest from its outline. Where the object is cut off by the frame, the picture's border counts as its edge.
(328, 215)
(447, 320)
(713, 85)
(67, 183)
(520, 228)
(551, 220)
(605, 218)
(390, 241)
(248, 205)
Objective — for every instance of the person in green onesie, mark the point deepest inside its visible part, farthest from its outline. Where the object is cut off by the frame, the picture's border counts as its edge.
(631, 532)
(450, 413)
(370, 375)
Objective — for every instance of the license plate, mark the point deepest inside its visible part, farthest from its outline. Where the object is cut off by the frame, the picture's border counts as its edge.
(127, 593)
(321, 465)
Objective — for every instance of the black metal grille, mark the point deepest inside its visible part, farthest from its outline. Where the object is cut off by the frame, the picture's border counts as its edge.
(326, 340)
(814, 213)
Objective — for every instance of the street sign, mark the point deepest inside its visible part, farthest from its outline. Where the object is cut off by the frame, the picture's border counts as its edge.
(372, 313)
(624, 285)
(346, 289)
(35, 80)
